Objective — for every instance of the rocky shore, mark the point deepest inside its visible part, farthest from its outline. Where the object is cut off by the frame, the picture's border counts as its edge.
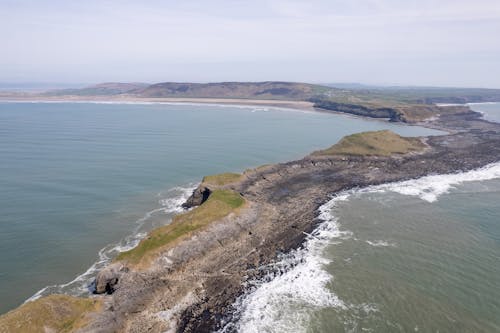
(190, 283)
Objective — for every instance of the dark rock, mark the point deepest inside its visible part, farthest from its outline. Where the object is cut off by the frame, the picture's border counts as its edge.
(199, 196)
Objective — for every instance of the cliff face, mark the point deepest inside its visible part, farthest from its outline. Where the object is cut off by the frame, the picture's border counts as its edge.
(394, 111)
(359, 110)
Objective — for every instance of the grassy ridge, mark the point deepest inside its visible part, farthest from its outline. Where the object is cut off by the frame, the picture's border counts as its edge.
(220, 204)
(54, 313)
(381, 143)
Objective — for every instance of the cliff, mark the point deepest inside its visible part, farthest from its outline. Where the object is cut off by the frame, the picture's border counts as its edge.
(394, 111)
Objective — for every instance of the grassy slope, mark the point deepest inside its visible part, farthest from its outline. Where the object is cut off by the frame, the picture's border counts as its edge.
(220, 204)
(54, 313)
(381, 143)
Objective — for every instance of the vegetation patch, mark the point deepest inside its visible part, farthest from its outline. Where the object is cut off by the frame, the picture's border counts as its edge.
(382, 143)
(54, 313)
(220, 204)
(222, 179)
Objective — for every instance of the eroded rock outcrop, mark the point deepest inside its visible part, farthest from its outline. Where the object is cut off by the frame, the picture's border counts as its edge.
(107, 279)
(199, 196)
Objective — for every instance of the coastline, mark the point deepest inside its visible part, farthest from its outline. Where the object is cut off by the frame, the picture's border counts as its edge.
(257, 186)
(283, 105)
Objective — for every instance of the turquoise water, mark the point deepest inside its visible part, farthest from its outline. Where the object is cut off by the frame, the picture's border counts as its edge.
(80, 177)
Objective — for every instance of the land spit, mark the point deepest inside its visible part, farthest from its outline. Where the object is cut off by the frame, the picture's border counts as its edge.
(190, 286)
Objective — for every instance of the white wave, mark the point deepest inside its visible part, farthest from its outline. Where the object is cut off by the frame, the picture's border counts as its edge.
(378, 243)
(80, 285)
(483, 103)
(295, 286)
(429, 188)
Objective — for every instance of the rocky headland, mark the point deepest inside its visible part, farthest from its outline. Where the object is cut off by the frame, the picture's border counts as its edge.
(184, 277)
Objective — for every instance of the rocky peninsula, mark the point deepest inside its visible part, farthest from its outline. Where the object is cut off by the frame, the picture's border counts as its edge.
(184, 277)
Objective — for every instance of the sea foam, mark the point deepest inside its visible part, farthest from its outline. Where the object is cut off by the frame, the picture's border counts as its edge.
(294, 286)
(429, 188)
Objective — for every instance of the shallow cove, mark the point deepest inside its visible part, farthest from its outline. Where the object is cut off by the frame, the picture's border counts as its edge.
(79, 177)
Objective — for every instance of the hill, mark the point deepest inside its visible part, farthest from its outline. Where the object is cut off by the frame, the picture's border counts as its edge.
(245, 90)
(102, 89)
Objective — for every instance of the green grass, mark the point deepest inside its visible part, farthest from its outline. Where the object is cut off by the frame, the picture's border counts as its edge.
(220, 204)
(382, 143)
(54, 313)
(222, 179)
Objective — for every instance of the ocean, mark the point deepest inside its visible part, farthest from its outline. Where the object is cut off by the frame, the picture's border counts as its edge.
(82, 181)
(415, 256)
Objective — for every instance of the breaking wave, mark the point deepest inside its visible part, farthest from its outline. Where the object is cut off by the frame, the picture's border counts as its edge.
(429, 188)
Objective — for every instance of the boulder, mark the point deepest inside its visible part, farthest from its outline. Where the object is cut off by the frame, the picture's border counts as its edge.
(199, 196)
(108, 278)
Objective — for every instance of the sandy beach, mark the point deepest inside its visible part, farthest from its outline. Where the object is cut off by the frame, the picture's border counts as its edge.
(25, 97)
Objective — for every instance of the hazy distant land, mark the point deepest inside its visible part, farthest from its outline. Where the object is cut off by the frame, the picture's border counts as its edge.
(406, 104)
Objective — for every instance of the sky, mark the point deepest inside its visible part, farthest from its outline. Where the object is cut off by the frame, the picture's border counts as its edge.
(388, 42)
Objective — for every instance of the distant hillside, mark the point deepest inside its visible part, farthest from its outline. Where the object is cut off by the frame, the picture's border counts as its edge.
(424, 95)
(247, 90)
(405, 104)
(102, 89)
